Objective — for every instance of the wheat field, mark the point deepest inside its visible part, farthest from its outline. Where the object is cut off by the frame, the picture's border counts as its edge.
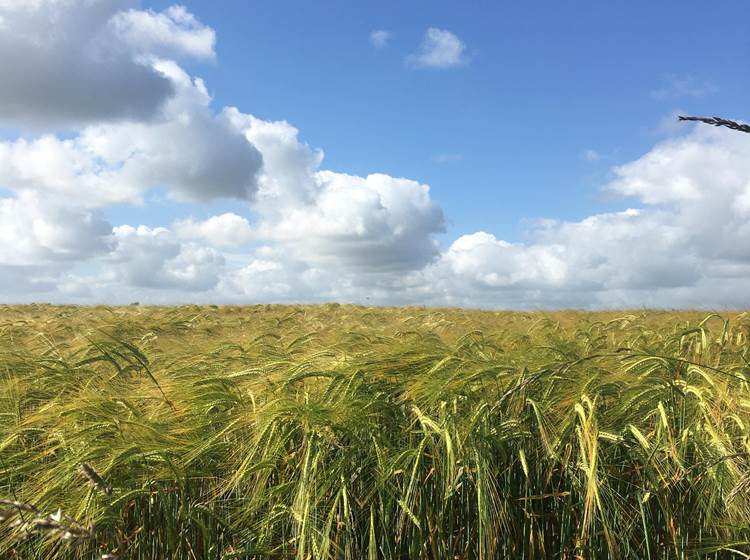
(344, 432)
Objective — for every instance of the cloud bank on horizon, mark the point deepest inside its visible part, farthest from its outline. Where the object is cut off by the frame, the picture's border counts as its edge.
(106, 115)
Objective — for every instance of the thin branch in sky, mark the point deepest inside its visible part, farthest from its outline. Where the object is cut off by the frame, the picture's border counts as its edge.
(718, 121)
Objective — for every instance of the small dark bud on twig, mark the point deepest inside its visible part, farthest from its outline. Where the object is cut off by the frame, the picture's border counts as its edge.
(95, 479)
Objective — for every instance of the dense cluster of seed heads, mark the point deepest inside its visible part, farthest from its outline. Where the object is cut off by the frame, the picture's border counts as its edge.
(342, 432)
(24, 520)
(34, 522)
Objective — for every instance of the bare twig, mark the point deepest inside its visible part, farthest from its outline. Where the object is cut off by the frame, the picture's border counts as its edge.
(718, 121)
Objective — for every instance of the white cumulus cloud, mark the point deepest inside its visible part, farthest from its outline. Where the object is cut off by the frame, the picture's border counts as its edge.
(439, 49)
(687, 244)
(379, 38)
(282, 226)
(371, 223)
(153, 258)
(187, 150)
(71, 62)
(175, 32)
(224, 230)
(35, 232)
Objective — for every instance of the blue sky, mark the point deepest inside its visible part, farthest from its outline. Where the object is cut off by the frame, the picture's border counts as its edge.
(546, 82)
(494, 154)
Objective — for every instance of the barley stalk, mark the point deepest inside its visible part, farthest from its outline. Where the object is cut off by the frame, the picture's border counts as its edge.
(342, 432)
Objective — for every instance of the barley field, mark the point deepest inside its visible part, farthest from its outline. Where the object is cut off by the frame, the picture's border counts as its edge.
(344, 432)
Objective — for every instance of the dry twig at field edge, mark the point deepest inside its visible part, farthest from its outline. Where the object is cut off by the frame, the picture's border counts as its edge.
(718, 121)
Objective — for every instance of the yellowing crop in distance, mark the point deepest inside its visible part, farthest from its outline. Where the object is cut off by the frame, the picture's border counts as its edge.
(343, 432)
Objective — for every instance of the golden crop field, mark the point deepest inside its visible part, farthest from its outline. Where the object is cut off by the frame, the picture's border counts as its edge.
(343, 432)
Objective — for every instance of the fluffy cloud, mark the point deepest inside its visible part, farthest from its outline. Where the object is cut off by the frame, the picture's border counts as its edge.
(330, 236)
(274, 274)
(373, 224)
(225, 230)
(286, 228)
(269, 275)
(704, 179)
(705, 167)
(439, 49)
(482, 259)
(591, 155)
(187, 150)
(288, 165)
(376, 222)
(68, 62)
(154, 258)
(380, 38)
(62, 167)
(191, 152)
(35, 232)
(41, 240)
(175, 32)
(685, 246)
